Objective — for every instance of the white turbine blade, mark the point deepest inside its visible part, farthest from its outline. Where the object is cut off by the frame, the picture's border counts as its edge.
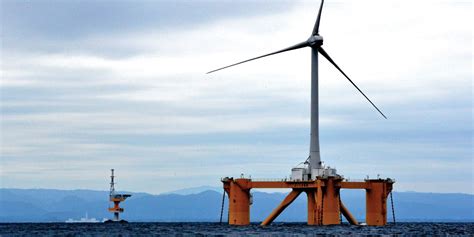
(316, 24)
(296, 46)
(326, 55)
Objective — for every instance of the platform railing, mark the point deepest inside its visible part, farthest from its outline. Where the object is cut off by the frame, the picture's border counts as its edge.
(270, 179)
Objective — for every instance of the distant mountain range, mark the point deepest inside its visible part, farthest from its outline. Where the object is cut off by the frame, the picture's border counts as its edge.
(204, 203)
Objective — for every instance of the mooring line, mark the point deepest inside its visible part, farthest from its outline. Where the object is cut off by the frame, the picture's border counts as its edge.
(393, 209)
(222, 206)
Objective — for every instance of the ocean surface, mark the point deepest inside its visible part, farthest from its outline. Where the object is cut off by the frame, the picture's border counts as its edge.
(216, 229)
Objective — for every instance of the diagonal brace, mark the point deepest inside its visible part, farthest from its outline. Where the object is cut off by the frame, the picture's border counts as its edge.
(285, 203)
(348, 215)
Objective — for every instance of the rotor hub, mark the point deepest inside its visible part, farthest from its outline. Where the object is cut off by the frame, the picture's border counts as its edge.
(315, 40)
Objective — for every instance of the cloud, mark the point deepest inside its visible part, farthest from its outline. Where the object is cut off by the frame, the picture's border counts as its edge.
(88, 86)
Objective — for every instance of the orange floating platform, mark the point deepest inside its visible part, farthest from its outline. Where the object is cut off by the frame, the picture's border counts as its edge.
(323, 194)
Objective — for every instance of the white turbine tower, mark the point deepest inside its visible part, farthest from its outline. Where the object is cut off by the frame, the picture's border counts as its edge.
(315, 41)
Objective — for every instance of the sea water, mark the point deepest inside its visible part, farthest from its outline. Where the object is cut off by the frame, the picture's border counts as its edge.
(216, 229)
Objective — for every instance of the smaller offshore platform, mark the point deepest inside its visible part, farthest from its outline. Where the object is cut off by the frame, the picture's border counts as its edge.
(116, 199)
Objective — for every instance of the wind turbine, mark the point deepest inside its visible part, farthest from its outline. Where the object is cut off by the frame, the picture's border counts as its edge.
(315, 42)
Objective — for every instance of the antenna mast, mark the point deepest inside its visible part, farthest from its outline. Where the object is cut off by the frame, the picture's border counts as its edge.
(112, 187)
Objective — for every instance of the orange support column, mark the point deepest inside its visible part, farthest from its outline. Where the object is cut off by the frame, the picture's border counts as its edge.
(239, 202)
(376, 202)
(319, 204)
(312, 213)
(331, 208)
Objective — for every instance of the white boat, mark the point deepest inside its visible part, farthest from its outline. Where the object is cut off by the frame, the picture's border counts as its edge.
(83, 220)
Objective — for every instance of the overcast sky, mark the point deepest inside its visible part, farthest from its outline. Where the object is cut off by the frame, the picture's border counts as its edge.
(91, 85)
